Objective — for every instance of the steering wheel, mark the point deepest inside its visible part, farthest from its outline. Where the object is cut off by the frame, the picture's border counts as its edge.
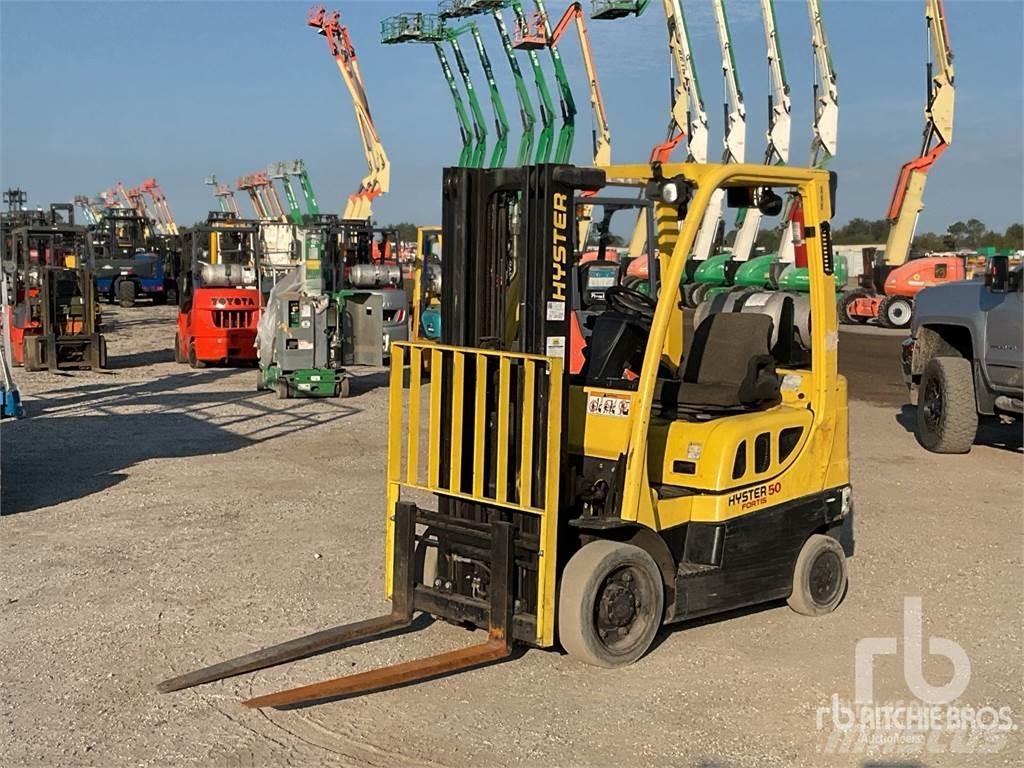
(630, 301)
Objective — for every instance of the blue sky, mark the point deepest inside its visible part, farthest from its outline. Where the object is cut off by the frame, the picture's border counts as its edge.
(95, 92)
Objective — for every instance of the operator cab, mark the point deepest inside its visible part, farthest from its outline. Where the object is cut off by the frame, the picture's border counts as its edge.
(738, 343)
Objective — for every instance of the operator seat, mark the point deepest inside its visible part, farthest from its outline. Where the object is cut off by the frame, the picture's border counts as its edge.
(730, 365)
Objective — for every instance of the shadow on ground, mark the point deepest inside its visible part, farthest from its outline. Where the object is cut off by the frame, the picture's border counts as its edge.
(77, 441)
(991, 432)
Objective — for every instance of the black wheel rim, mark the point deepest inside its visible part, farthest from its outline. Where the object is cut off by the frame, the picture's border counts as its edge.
(622, 611)
(824, 577)
(931, 404)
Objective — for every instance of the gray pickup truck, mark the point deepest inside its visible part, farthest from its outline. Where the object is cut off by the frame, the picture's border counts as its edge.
(965, 356)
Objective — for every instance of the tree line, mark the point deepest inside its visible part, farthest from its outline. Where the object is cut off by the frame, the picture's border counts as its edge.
(960, 235)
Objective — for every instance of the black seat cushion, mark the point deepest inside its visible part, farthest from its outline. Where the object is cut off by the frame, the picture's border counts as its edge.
(730, 363)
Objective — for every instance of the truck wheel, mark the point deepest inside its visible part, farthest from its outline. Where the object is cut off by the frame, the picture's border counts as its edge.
(30, 354)
(845, 302)
(193, 361)
(179, 356)
(819, 577)
(610, 604)
(126, 293)
(895, 312)
(947, 416)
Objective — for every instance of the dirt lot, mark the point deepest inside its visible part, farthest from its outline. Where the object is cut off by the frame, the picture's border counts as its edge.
(158, 518)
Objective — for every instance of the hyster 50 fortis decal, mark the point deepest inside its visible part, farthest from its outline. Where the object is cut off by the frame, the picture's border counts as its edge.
(755, 497)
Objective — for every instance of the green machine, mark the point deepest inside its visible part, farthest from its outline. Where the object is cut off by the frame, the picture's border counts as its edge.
(314, 323)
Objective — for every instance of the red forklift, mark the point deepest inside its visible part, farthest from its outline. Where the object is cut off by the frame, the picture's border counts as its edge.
(219, 302)
(51, 311)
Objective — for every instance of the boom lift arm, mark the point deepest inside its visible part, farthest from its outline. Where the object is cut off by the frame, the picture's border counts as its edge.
(224, 194)
(90, 210)
(535, 32)
(479, 122)
(429, 28)
(279, 171)
(453, 9)
(547, 107)
(378, 179)
(735, 127)
(907, 199)
(165, 217)
(250, 187)
(778, 131)
(500, 117)
(826, 94)
(297, 168)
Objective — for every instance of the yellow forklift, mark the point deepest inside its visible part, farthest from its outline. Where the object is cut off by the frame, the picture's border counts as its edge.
(650, 488)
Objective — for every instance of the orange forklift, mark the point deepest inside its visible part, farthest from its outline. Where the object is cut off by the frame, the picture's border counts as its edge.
(219, 304)
(52, 312)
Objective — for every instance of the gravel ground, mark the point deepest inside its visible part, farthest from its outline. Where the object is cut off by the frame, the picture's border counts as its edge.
(158, 518)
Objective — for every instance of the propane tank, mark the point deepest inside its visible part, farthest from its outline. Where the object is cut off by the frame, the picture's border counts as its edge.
(226, 275)
(375, 276)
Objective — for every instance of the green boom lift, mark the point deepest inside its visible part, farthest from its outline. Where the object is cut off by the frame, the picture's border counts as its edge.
(430, 28)
(453, 9)
(279, 172)
(530, 34)
(427, 28)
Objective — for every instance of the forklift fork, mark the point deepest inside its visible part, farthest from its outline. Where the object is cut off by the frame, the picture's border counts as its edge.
(496, 647)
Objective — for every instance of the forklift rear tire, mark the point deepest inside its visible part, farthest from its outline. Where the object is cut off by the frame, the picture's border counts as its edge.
(283, 390)
(610, 604)
(193, 361)
(819, 577)
(126, 293)
(179, 357)
(343, 387)
(30, 354)
(101, 357)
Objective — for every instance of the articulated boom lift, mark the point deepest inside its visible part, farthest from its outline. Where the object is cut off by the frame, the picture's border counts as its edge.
(429, 28)
(454, 9)
(907, 199)
(826, 93)
(888, 288)
(535, 32)
(779, 128)
(378, 179)
(165, 223)
(225, 196)
(297, 168)
(278, 172)
(91, 209)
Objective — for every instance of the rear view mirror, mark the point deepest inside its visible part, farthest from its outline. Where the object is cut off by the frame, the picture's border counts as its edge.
(997, 273)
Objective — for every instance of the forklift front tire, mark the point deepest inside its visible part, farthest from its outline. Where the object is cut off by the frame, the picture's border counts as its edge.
(610, 604)
(819, 578)
(101, 354)
(283, 390)
(193, 361)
